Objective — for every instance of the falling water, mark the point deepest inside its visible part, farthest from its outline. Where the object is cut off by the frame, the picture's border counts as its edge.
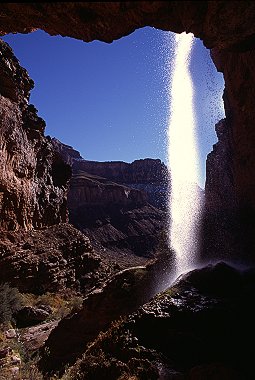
(184, 203)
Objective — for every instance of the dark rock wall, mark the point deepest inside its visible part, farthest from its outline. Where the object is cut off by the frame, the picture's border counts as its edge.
(33, 177)
(217, 23)
(230, 180)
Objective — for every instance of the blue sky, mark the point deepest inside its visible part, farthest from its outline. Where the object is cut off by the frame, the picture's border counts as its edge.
(109, 101)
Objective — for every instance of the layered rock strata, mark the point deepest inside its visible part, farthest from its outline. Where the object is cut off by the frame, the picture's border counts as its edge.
(151, 176)
(115, 216)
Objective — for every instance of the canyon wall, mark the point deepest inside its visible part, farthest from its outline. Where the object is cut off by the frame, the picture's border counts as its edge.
(116, 216)
(230, 180)
(33, 177)
(144, 180)
(226, 27)
(148, 175)
(39, 252)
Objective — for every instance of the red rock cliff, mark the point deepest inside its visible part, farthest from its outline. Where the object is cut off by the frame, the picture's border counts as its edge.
(33, 177)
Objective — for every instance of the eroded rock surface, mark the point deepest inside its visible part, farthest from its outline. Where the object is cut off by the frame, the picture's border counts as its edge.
(33, 177)
(226, 26)
(230, 182)
(49, 260)
(218, 23)
(120, 295)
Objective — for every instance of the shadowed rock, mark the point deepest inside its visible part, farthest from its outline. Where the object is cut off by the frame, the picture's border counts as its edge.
(119, 296)
(202, 327)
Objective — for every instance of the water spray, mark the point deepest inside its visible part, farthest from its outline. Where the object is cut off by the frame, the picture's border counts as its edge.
(184, 200)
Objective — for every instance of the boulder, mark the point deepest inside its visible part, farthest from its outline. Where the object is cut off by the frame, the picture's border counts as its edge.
(30, 315)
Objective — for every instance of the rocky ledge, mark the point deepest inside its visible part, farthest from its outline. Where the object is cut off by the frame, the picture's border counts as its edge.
(49, 260)
(202, 327)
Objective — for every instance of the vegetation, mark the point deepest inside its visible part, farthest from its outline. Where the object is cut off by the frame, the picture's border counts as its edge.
(11, 301)
(61, 304)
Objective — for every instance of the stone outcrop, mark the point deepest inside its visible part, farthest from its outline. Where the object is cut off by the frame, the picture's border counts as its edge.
(148, 175)
(49, 260)
(67, 152)
(219, 186)
(87, 189)
(119, 296)
(33, 179)
(30, 316)
(199, 328)
(230, 167)
(227, 27)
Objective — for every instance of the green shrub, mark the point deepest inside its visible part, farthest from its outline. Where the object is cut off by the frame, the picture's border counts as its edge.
(11, 301)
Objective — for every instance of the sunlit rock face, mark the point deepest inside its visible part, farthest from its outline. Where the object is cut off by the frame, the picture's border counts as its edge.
(33, 177)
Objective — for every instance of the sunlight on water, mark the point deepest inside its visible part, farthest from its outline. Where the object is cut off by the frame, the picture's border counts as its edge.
(184, 200)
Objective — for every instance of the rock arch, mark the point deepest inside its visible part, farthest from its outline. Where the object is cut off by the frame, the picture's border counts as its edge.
(226, 27)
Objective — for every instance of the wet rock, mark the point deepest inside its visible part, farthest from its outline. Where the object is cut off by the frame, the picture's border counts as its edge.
(216, 280)
(193, 330)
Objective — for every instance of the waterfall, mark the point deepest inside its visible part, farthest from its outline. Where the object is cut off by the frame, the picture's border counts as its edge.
(184, 200)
